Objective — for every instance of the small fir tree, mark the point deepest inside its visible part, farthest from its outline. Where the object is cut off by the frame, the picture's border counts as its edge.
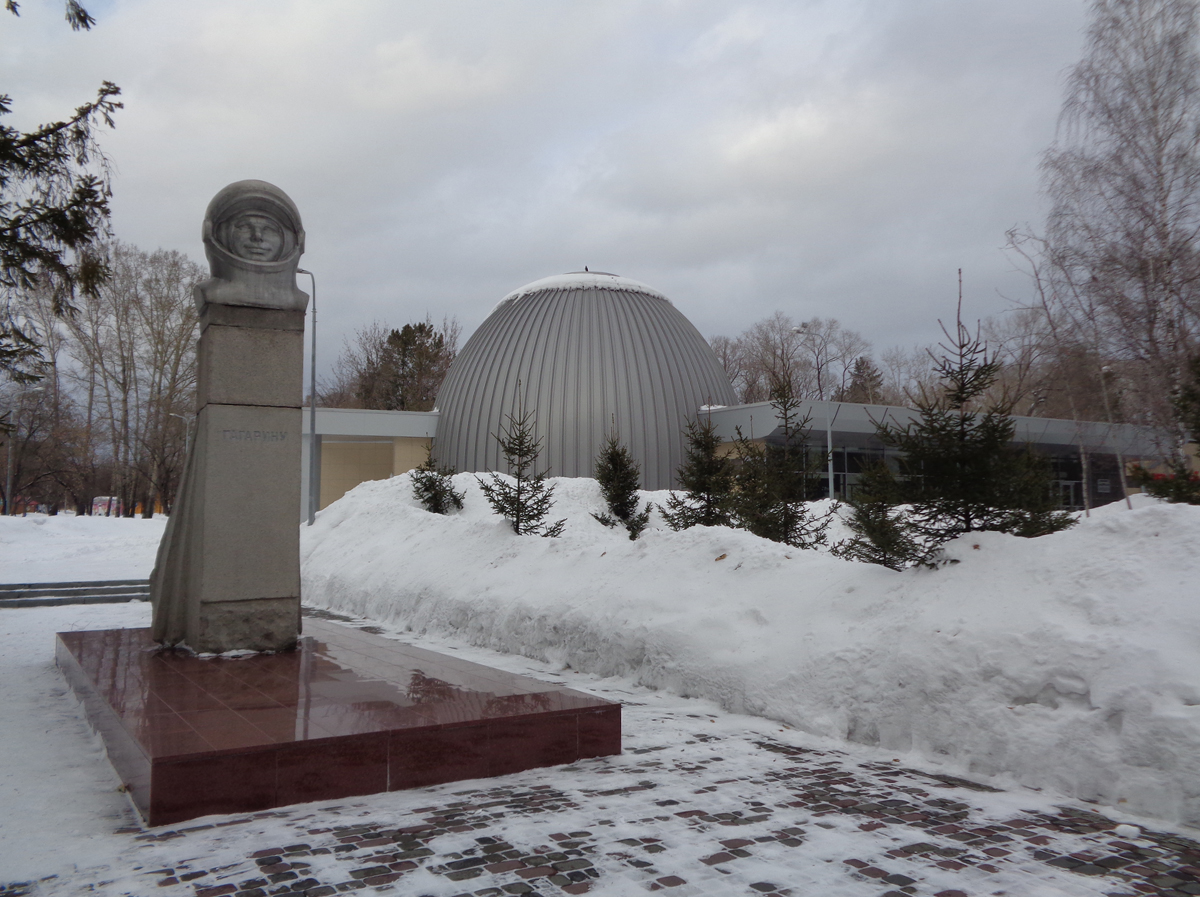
(525, 502)
(1027, 504)
(433, 487)
(797, 469)
(882, 534)
(619, 477)
(705, 479)
(754, 499)
(959, 470)
(866, 383)
(774, 480)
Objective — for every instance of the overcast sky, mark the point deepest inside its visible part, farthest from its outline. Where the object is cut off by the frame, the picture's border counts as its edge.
(833, 158)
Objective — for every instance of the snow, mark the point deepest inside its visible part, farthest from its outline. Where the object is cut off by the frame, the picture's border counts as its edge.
(56, 785)
(61, 813)
(65, 548)
(582, 280)
(1065, 663)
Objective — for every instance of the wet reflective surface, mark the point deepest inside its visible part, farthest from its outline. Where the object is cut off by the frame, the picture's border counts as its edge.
(346, 713)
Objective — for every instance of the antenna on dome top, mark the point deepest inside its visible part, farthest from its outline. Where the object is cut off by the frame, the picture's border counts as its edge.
(585, 269)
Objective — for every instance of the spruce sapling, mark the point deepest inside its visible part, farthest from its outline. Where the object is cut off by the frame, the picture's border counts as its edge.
(525, 502)
(433, 487)
(959, 469)
(706, 480)
(882, 535)
(619, 477)
(773, 480)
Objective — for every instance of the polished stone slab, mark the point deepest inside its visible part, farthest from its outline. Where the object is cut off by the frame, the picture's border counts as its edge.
(347, 713)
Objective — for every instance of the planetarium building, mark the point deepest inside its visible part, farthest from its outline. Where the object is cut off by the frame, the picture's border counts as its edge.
(585, 355)
(589, 354)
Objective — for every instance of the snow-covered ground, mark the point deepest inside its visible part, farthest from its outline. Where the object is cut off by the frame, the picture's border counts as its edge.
(58, 792)
(65, 548)
(65, 826)
(1069, 662)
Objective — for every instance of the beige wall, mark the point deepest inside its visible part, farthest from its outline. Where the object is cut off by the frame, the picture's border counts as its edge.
(408, 452)
(346, 464)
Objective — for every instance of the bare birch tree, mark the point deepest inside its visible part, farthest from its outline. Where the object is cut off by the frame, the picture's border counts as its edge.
(814, 357)
(135, 371)
(1119, 265)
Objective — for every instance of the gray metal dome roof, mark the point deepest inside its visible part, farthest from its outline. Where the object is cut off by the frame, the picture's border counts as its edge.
(587, 350)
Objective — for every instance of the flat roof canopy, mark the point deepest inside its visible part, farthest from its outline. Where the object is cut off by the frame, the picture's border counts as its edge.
(360, 422)
(853, 425)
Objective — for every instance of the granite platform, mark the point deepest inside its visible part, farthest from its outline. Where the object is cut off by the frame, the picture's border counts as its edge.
(347, 713)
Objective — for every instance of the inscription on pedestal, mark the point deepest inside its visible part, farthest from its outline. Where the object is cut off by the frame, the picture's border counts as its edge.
(254, 435)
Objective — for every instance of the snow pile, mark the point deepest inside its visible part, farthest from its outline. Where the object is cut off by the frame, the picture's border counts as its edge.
(1070, 662)
(65, 548)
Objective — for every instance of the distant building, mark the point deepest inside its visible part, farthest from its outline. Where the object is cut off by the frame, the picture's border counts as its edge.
(846, 432)
(588, 352)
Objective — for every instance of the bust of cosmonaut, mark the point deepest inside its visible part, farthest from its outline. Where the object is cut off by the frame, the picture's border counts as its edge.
(253, 239)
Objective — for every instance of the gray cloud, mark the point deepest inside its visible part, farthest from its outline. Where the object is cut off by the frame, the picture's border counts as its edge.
(823, 158)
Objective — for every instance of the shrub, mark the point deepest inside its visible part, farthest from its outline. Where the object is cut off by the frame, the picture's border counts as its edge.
(774, 480)
(525, 502)
(619, 477)
(706, 480)
(433, 487)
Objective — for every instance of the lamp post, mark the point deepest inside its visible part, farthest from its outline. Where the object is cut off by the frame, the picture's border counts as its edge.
(187, 428)
(312, 407)
(12, 438)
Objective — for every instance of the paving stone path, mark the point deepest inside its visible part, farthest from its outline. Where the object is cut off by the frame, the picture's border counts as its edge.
(699, 804)
(761, 817)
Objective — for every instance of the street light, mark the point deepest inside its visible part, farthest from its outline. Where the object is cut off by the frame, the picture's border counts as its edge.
(187, 428)
(12, 438)
(312, 407)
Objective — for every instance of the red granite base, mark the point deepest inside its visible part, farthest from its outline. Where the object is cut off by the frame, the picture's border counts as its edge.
(347, 713)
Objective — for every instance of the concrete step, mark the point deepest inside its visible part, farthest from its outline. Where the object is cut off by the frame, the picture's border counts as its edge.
(90, 583)
(48, 594)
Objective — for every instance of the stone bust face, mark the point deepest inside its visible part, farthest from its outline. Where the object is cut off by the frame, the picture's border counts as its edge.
(255, 237)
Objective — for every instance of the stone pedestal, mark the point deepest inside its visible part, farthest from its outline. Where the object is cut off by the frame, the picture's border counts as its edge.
(228, 570)
(348, 713)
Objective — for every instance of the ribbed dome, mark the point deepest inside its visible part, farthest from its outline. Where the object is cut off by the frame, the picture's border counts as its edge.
(586, 349)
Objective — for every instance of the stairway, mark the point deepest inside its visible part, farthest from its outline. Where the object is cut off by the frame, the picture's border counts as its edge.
(49, 594)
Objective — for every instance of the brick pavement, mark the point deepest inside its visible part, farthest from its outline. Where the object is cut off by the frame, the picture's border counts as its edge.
(750, 815)
(699, 804)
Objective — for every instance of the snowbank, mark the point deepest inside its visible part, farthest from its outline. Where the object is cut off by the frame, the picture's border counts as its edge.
(65, 548)
(1070, 662)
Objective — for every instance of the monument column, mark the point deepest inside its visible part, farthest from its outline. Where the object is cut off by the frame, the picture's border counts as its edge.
(228, 570)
